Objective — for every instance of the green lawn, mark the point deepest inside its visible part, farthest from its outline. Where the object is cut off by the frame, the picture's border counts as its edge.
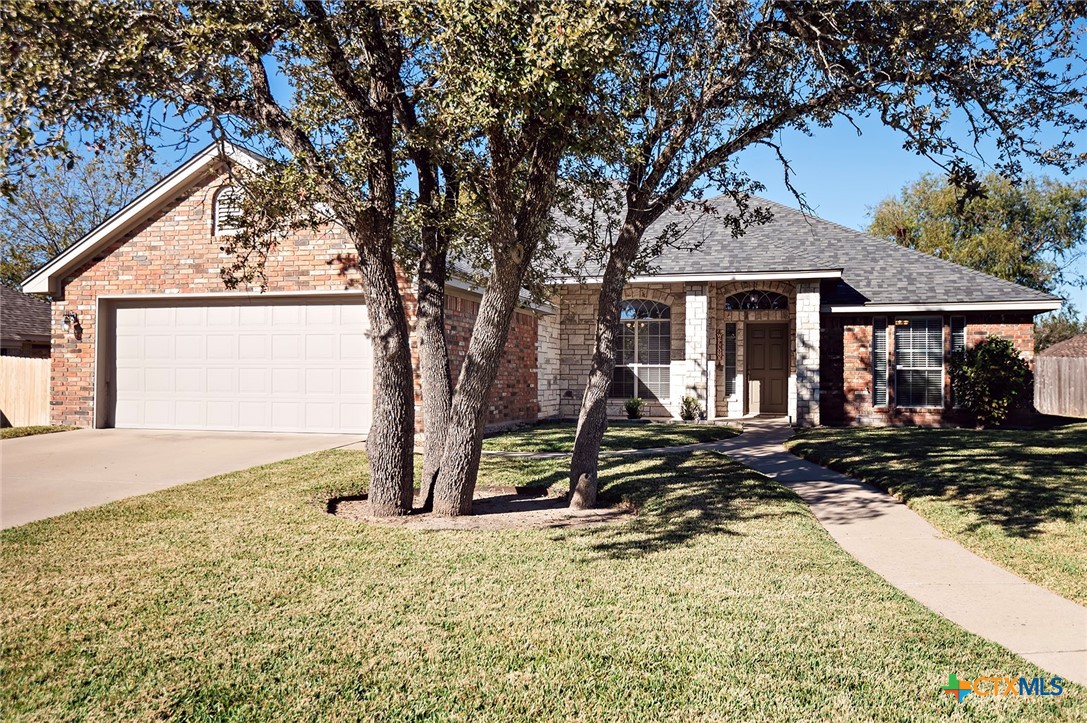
(559, 436)
(239, 598)
(16, 432)
(1018, 498)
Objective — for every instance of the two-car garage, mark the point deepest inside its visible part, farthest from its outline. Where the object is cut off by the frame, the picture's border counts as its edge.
(292, 364)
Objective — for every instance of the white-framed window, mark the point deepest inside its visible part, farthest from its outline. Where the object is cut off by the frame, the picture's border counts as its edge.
(919, 362)
(228, 211)
(643, 351)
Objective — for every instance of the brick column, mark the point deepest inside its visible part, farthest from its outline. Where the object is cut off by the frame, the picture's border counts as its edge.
(804, 395)
(696, 346)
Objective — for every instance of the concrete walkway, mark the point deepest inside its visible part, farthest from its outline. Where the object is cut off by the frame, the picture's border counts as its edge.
(50, 474)
(900, 546)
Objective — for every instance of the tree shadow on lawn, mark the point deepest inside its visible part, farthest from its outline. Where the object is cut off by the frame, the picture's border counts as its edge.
(680, 497)
(1016, 480)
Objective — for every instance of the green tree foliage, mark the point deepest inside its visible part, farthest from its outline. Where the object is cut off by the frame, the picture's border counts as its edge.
(1032, 232)
(57, 203)
(347, 101)
(990, 379)
(1050, 329)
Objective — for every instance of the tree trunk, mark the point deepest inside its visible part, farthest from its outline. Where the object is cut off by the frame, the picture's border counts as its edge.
(437, 384)
(390, 442)
(521, 218)
(593, 419)
(456, 480)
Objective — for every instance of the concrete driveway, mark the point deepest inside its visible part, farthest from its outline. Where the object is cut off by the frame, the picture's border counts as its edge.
(51, 474)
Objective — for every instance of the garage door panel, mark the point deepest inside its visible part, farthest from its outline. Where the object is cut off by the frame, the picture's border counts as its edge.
(158, 346)
(286, 347)
(255, 381)
(270, 366)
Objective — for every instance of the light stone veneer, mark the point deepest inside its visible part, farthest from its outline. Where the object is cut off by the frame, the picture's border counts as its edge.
(698, 331)
(548, 369)
(804, 394)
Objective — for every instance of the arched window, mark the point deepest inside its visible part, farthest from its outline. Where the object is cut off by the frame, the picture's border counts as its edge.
(644, 351)
(228, 210)
(756, 300)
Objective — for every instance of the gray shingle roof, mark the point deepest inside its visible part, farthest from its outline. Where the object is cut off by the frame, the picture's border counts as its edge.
(1074, 347)
(874, 271)
(22, 317)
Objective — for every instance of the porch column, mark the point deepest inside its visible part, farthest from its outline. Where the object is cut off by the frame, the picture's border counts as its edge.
(696, 347)
(804, 397)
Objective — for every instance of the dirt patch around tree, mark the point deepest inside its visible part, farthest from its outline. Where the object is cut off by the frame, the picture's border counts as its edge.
(494, 508)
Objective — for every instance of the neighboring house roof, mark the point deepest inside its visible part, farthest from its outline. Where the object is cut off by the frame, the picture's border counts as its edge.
(22, 317)
(870, 272)
(1074, 347)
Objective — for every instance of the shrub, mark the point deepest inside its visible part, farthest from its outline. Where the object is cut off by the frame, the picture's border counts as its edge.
(989, 380)
(690, 409)
(634, 407)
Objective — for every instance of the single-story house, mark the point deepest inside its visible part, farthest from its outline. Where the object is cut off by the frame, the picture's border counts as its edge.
(798, 317)
(24, 325)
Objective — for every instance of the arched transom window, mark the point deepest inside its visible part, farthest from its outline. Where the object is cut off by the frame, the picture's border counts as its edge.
(228, 210)
(756, 300)
(644, 351)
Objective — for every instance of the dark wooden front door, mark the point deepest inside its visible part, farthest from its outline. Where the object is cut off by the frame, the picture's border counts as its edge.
(767, 368)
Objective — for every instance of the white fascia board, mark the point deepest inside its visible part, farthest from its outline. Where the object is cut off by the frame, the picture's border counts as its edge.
(737, 276)
(1039, 306)
(43, 280)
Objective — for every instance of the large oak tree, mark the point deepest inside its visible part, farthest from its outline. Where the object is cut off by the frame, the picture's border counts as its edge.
(708, 80)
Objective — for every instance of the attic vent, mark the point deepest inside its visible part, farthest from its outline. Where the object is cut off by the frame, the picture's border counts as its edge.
(228, 211)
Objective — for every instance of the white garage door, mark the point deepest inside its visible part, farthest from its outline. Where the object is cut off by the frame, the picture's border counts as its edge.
(256, 366)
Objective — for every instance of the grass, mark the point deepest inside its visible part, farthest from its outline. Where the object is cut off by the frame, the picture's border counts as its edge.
(1018, 498)
(559, 436)
(16, 432)
(238, 598)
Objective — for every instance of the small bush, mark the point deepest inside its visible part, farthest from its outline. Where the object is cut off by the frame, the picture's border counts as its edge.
(634, 407)
(989, 380)
(690, 409)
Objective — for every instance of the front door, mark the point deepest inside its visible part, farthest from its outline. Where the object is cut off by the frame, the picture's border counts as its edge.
(767, 368)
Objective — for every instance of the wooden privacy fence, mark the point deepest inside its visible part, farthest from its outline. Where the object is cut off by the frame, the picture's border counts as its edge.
(1060, 385)
(24, 391)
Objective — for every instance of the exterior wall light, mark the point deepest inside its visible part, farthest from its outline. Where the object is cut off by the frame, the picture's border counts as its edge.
(70, 323)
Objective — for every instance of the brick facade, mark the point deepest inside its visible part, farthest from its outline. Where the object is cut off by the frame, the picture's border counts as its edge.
(174, 251)
(846, 392)
(547, 358)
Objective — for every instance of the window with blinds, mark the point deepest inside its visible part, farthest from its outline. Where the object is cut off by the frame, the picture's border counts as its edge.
(919, 362)
(879, 361)
(643, 351)
(730, 360)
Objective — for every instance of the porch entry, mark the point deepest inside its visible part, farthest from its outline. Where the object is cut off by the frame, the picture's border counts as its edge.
(767, 368)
